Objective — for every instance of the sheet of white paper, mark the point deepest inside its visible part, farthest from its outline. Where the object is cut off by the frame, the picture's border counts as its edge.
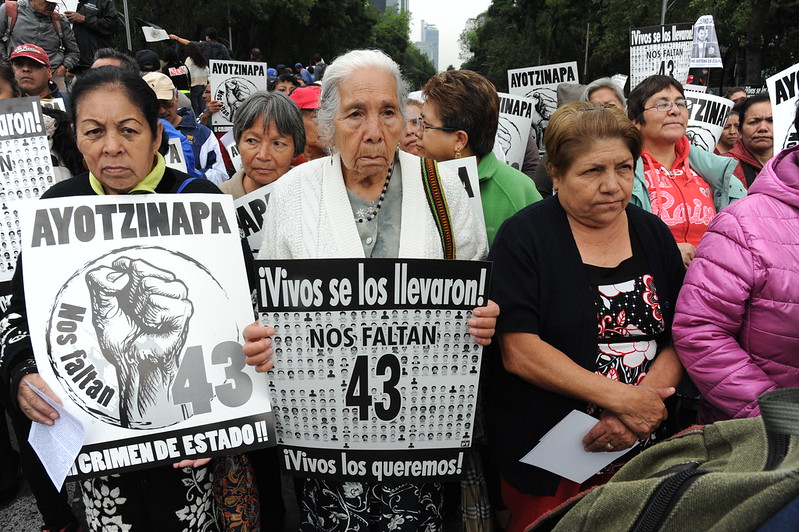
(152, 34)
(561, 450)
(58, 444)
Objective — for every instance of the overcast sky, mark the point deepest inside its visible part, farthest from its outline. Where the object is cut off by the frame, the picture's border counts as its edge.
(450, 16)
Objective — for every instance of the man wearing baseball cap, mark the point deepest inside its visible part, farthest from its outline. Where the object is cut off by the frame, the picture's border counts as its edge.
(206, 153)
(302, 73)
(37, 22)
(32, 70)
(307, 99)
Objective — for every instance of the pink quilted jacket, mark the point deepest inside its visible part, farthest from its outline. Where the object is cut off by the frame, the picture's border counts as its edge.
(736, 326)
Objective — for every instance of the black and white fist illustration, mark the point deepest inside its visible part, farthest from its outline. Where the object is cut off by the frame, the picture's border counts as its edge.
(141, 315)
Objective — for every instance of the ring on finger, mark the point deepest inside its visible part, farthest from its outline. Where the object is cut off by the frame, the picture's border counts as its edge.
(609, 446)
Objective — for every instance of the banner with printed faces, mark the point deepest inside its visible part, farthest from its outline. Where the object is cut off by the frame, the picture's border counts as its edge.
(232, 82)
(783, 89)
(26, 172)
(375, 375)
(706, 119)
(662, 50)
(139, 328)
(515, 123)
(540, 84)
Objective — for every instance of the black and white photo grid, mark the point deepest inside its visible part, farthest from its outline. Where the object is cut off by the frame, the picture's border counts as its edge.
(375, 373)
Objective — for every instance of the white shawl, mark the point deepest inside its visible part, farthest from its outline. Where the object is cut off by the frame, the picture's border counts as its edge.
(309, 215)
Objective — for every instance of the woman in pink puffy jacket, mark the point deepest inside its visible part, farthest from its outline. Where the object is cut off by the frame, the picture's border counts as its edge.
(736, 327)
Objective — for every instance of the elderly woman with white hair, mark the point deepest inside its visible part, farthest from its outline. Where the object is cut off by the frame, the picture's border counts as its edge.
(366, 200)
(604, 91)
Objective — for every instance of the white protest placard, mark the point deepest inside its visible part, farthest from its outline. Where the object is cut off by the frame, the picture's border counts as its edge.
(55, 103)
(540, 83)
(138, 330)
(515, 121)
(375, 375)
(232, 82)
(250, 210)
(175, 158)
(466, 169)
(67, 5)
(751, 91)
(26, 172)
(705, 51)
(620, 80)
(706, 120)
(229, 143)
(695, 88)
(660, 50)
(783, 89)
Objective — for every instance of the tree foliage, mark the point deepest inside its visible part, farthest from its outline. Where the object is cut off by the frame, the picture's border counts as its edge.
(286, 31)
(757, 37)
(390, 35)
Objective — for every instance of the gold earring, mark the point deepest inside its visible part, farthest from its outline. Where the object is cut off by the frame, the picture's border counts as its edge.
(457, 152)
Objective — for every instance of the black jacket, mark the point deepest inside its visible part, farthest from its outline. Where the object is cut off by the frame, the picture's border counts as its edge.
(98, 31)
(214, 50)
(540, 283)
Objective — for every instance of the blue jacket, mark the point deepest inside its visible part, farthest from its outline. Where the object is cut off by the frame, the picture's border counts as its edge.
(207, 155)
(188, 154)
(714, 169)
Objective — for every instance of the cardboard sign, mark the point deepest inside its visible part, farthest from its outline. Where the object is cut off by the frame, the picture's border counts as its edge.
(540, 84)
(232, 82)
(250, 211)
(705, 52)
(783, 89)
(139, 328)
(375, 375)
(708, 114)
(515, 122)
(466, 169)
(26, 172)
(662, 50)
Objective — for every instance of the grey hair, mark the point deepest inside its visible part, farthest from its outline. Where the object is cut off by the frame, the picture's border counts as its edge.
(342, 68)
(271, 106)
(125, 61)
(605, 83)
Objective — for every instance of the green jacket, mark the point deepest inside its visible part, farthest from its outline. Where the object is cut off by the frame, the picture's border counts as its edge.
(504, 191)
(716, 170)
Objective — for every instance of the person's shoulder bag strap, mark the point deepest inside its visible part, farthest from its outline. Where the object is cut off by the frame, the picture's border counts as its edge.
(438, 205)
(183, 185)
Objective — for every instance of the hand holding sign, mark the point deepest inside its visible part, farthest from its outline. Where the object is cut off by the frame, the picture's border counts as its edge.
(141, 315)
(258, 347)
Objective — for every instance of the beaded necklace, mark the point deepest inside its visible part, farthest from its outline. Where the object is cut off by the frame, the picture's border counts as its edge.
(368, 214)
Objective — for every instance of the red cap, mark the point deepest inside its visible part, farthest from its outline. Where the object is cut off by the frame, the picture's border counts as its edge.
(307, 97)
(31, 51)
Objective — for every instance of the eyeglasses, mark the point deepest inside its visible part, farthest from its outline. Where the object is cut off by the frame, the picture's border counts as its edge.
(420, 123)
(665, 107)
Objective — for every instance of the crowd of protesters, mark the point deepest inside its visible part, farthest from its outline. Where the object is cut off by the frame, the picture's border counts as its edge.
(649, 263)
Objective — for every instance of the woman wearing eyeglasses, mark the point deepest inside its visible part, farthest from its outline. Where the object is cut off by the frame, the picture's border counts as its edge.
(460, 117)
(685, 186)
